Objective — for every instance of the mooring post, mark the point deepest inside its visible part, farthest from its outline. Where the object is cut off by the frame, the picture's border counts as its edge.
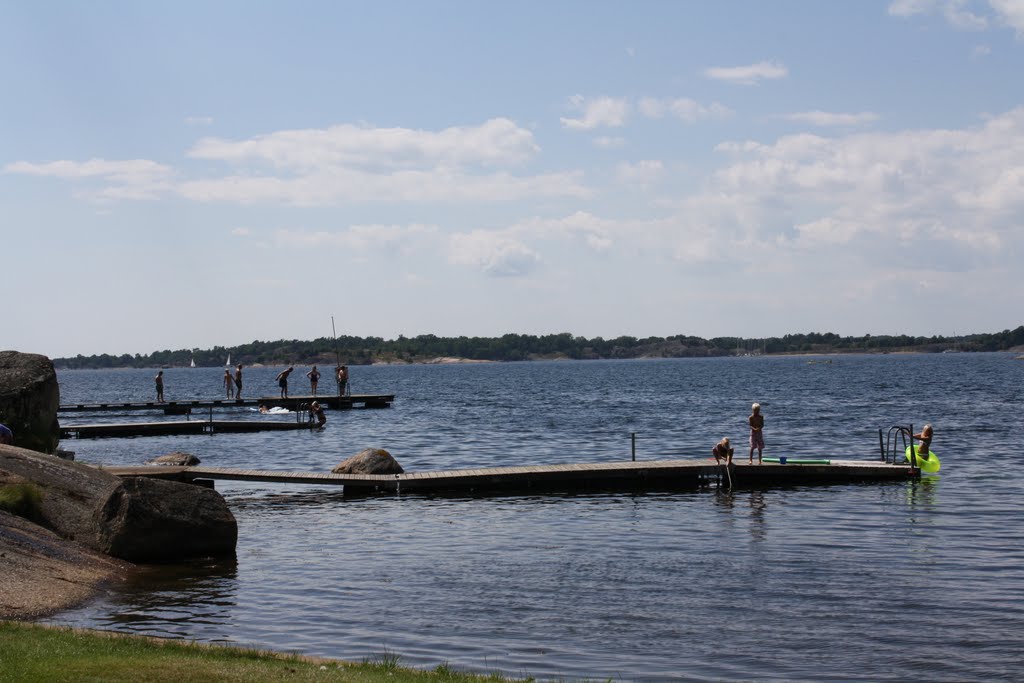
(881, 446)
(632, 436)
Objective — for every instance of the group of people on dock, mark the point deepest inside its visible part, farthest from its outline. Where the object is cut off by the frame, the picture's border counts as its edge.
(723, 450)
(233, 383)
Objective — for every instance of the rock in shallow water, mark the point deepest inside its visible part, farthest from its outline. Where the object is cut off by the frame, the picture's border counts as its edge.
(369, 461)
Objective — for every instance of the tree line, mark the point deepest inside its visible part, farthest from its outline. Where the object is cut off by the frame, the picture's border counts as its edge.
(351, 350)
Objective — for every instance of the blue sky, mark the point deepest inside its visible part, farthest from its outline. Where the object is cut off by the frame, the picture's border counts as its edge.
(188, 174)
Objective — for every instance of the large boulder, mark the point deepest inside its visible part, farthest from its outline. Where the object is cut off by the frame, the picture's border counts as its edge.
(153, 520)
(133, 519)
(29, 398)
(369, 461)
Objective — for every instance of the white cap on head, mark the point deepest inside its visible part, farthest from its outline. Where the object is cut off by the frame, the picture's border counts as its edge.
(756, 406)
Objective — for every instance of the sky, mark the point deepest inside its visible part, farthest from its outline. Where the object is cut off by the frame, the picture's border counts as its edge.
(191, 174)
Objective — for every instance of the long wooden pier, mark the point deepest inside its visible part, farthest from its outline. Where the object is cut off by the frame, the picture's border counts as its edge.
(168, 427)
(187, 406)
(650, 475)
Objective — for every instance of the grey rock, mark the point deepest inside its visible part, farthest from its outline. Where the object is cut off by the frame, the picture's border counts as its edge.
(29, 398)
(369, 461)
(176, 459)
(133, 519)
(153, 520)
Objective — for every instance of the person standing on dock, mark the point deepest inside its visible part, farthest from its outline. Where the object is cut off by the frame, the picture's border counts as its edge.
(282, 381)
(238, 382)
(723, 451)
(756, 421)
(342, 375)
(314, 378)
(229, 384)
(159, 379)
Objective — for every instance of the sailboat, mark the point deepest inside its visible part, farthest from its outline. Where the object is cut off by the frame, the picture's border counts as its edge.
(193, 364)
(227, 363)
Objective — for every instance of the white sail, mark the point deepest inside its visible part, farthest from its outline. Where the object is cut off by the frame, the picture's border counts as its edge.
(227, 364)
(193, 362)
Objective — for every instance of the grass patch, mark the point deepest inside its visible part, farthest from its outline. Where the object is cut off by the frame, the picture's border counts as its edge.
(30, 653)
(24, 500)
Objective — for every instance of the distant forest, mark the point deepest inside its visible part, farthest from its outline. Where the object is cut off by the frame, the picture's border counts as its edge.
(520, 347)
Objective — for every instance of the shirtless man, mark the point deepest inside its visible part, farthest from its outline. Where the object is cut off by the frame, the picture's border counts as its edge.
(756, 422)
(282, 381)
(238, 381)
(342, 380)
(159, 380)
(229, 384)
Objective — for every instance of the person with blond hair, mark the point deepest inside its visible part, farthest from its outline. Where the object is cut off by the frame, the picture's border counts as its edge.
(756, 422)
(723, 451)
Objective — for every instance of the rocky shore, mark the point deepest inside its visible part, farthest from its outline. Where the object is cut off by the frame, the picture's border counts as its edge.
(67, 529)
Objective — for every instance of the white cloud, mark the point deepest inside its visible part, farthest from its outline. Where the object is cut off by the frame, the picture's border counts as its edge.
(597, 112)
(496, 142)
(641, 172)
(335, 186)
(492, 253)
(240, 232)
(682, 108)
(824, 118)
(127, 179)
(747, 75)
(1008, 13)
(198, 120)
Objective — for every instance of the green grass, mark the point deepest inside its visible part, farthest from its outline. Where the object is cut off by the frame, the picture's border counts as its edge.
(30, 652)
(23, 500)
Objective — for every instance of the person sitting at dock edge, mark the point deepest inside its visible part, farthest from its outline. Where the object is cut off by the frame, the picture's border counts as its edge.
(159, 379)
(925, 437)
(723, 451)
(229, 384)
(314, 378)
(756, 421)
(282, 381)
(238, 382)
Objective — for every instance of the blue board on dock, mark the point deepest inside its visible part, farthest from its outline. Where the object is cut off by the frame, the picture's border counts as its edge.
(785, 460)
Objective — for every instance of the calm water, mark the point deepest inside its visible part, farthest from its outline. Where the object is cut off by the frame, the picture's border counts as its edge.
(909, 580)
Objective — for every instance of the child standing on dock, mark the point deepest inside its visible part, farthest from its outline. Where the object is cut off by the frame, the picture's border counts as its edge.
(282, 381)
(756, 421)
(314, 378)
(159, 379)
(229, 384)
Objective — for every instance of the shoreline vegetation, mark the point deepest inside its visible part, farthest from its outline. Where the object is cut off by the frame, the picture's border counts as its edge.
(428, 348)
(50, 654)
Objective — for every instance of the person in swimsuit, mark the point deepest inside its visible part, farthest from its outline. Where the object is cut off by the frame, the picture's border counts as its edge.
(925, 437)
(314, 378)
(316, 410)
(282, 381)
(342, 380)
(756, 421)
(6, 435)
(723, 451)
(229, 384)
(238, 382)
(159, 379)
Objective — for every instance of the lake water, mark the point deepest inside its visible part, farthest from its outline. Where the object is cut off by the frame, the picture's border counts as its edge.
(915, 580)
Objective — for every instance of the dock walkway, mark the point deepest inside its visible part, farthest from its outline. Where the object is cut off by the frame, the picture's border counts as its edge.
(187, 406)
(168, 427)
(650, 475)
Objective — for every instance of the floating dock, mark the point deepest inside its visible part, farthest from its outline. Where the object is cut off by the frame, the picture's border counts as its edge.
(644, 476)
(166, 428)
(186, 407)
